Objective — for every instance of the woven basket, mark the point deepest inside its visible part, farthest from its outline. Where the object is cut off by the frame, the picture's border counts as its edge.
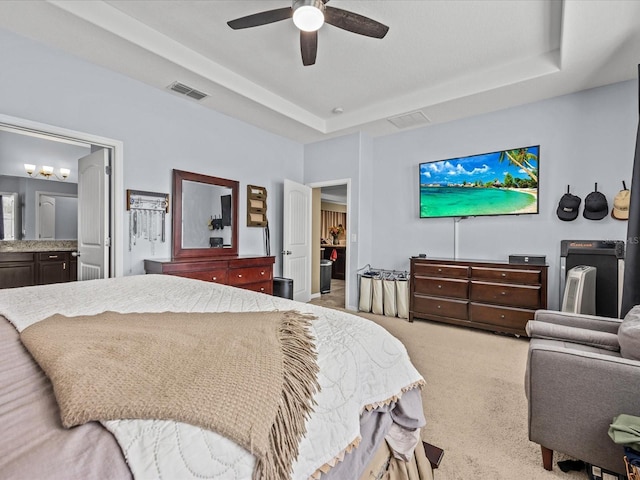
(633, 472)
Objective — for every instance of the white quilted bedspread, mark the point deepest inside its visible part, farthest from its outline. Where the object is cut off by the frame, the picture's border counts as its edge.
(360, 364)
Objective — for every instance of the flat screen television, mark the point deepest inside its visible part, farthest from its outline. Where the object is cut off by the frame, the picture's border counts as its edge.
(496, 183)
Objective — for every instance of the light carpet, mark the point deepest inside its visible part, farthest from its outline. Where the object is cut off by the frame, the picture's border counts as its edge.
(474, 401)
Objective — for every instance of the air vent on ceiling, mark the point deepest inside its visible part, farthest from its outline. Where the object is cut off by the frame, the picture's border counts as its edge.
(409, 119)
(186, 90)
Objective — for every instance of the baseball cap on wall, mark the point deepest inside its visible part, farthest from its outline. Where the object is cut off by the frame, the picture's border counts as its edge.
(595, 205)
(568, 206)
(620, 210)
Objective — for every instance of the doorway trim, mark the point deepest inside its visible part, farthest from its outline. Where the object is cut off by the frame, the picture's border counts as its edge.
(347, 268)
(116, 207)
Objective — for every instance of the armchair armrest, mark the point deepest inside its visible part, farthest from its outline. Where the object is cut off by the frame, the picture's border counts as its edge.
(584, 336)
(589, 322)
(573, 397)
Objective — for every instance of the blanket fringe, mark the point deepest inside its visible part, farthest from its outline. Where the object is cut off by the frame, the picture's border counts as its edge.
(300, 384)
(372, 406)
(335, 460)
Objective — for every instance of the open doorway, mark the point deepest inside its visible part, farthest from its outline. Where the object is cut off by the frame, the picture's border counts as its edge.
(12, 127)
(331, 232)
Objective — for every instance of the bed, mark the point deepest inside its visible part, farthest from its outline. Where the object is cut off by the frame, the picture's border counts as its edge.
(365, 399)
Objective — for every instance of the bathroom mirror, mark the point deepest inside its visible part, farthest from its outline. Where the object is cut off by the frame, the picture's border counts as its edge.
(34, 209)
(205, 216)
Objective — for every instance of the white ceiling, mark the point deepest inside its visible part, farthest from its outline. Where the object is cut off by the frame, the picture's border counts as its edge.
(448, 59)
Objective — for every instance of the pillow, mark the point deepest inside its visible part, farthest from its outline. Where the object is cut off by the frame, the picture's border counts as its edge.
(629, 334)
(583, 336)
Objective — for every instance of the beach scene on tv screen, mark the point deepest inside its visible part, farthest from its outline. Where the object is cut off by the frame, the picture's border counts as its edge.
(497, 183)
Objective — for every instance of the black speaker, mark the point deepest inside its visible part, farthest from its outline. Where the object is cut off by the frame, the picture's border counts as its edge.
(528, 259)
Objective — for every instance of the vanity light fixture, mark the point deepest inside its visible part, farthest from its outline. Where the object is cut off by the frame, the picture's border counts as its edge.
(46, 171)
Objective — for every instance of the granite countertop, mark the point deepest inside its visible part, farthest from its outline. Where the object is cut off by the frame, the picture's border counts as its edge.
(38, 245)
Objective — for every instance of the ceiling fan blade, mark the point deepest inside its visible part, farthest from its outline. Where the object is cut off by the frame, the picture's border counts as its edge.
(262, 18)
(308, 47)
(355, 23)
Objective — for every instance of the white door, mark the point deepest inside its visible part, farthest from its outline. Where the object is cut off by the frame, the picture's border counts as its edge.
(46, 218)
(296, 239)
(93, 221)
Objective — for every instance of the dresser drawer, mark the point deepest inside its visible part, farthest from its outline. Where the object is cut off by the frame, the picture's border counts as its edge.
(506, 294)
(506, 275)
(262, 287)
(512, 318)
(442, 287)
(440, 270)
(442, 307)
(242, 276)
(217, 276)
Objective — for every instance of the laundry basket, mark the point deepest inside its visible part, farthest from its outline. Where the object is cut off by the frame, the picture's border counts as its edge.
(402, 295)
(365, 292)
(384, 292)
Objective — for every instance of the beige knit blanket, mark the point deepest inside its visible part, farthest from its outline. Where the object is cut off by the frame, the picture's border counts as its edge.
(248, 376)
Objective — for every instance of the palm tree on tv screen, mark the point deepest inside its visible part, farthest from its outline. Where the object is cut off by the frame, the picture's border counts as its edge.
(522, 158)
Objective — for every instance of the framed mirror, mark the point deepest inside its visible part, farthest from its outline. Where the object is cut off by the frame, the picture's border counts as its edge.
(34, 209)
(205, 216)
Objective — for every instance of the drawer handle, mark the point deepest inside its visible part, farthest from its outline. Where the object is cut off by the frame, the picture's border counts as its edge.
(53, 256)
(439, 306)
(502, 316)
(214, 278)
(64, 265)
(262, 289)
(503, 293)
(239, 275)
(504, 274)
(262, 272)
(439, 270)
(439, 286)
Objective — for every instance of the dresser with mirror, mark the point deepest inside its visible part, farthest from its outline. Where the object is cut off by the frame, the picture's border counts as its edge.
(205, 236)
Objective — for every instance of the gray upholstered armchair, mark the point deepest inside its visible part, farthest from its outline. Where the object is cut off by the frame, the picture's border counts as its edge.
(581, 372)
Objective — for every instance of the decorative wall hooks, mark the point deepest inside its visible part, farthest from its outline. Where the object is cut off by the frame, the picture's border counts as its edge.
(147, 217)
(256, 206)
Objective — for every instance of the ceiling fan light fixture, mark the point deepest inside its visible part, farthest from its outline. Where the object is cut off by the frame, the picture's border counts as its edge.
(308, 15)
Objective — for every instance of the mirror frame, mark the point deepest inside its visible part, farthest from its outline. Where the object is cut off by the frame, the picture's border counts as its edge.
(177, 251)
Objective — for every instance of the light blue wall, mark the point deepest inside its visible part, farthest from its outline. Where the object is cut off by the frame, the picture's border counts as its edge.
(584, 138)
(347, 157)
(160, 131)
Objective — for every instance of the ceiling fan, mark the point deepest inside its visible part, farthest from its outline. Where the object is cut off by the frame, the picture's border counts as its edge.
(309, 16)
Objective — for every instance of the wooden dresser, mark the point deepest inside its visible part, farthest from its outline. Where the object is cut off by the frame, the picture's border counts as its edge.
(249, 272)
(497, 296)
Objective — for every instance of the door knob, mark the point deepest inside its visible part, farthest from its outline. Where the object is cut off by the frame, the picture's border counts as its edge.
(287, 252)
(75, 254)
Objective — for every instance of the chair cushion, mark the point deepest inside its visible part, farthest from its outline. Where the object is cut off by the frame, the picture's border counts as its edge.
(629, 334)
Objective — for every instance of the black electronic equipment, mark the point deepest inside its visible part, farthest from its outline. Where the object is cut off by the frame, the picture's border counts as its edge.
(528, 259)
